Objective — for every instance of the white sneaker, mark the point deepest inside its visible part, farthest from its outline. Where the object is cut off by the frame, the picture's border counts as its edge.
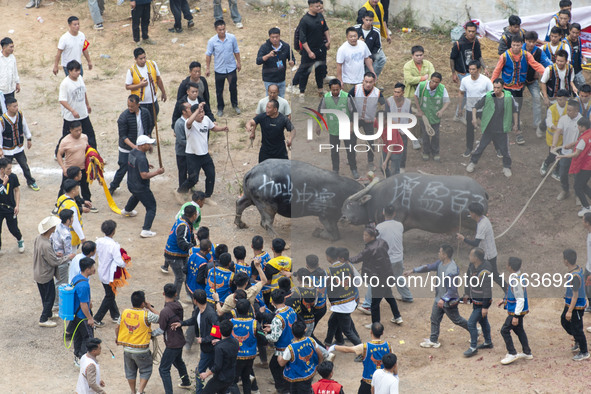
(457, 118)
(364, 310)
(147, 234)
(47, 324)
(525, 356)
(509, 358)
(507, 172)
(239, 25)
(331, 357)
(470, 167)
(397, 320)
(583, 211)
(368, 326)
(30, 4)
(539, 133)
(427, 343)
(128, 214)
(416, 145)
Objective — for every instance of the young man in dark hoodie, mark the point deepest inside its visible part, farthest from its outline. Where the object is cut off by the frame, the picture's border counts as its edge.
(205, 312)
(174, 339)
(224, 363)
(195, 76)
(463, 51)
(513, 30)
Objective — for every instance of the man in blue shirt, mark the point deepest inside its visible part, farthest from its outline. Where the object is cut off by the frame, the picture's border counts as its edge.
(224, 47)
(83, 316)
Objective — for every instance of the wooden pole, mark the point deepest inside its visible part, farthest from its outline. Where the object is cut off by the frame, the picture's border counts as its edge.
(153, 92)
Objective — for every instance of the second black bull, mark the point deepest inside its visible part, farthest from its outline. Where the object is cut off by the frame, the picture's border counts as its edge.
(432, 203)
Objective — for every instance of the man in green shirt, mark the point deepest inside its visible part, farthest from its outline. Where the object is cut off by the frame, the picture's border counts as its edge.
(339, 100)
(431, 100)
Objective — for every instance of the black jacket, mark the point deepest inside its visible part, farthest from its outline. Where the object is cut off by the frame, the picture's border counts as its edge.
(178, 110)
(224, 360)
(127, 125)
(375, 259)
(373, 39)
(271, 72)
(209, 318)
(183, 90)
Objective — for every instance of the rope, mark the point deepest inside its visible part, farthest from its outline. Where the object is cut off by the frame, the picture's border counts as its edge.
(528, 201)
(156, 353)
(231, 161)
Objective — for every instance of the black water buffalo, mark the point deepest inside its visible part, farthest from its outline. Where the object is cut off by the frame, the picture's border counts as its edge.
(432, 203)
(294, 189)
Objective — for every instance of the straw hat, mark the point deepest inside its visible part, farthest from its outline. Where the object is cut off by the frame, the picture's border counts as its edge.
(47, 224)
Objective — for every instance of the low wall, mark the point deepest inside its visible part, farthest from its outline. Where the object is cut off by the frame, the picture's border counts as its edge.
(428, 12)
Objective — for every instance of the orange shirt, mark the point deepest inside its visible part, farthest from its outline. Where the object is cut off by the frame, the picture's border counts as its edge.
(517, 58)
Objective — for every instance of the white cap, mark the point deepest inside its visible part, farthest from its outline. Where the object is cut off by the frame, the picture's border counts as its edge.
(144, 139)
(47, 224)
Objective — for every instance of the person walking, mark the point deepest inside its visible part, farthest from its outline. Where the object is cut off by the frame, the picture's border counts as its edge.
(72, 45)
(45, 262)
(353, 56)
(133, 122)
(10, 198)
(224, 48)
(499, 117)
(234, 13)
(314, 43)
(179, 9)
(83, 319)
(273, 124)
(370, 35)
(89, 378)
(140, 18)
(223, 369)
(110, 261)
(446, 294)
(179, 243)
(138, 183)
(517, 306)
(61, 240)
(275, 55)
(15, 130)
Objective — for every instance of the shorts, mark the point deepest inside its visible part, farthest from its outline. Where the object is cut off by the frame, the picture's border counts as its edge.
(134, 361)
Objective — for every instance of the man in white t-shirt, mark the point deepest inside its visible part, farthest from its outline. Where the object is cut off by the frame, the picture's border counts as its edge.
(569, 130)
(351, 58)
(273, 92)
(560, 75)
(485, 238)
(74, 102)
(385, 380)
(473, 89)
(71, 46)
(143, 79)
(197, 129)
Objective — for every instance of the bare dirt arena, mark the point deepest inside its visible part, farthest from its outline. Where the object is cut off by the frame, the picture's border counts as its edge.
(34, 360)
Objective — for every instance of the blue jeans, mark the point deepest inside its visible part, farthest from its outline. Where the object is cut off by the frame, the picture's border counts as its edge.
(476, 317)
(172, 357)
(536, 102)
(280, 85)
(95, 11)
(379, 61)
(218, 13)
(205, 361)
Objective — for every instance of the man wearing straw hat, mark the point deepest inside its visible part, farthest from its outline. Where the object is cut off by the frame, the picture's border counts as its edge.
(45, 263)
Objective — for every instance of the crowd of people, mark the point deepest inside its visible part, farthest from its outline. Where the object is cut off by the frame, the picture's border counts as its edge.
(241, 307)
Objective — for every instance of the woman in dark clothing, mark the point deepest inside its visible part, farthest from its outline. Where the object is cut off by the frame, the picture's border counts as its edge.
(377, 267)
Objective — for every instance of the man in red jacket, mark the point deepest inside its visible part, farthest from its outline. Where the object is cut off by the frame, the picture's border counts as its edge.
(326, 385)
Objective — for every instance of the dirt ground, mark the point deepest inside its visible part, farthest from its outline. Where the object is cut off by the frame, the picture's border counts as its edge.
(35, 360)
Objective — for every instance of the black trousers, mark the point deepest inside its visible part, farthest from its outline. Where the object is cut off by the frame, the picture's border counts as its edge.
(303, 387)
(334, 153)
(581, 187)
(574, 327)
(122, 162)
(179, 9)
(194, 164)
(403, 154)
(343, 322)
(148, 201)
(243, 370)
(21, 159)
(215, 386)
(519, 331)
(496, 276)
(84, 187)
(12, 224)
(172, 357)
(368, 130)
(281, 385)
(306, 64)
(47, 292)
(83, 333)
(109, 304)
(151, 109)
(364, 388)
(500, 140)
(140, 15)
(87, 130)
(518, 96)
(386, 5)
(377, 294)
(181, 164)
(470, 129)
(220, 80)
